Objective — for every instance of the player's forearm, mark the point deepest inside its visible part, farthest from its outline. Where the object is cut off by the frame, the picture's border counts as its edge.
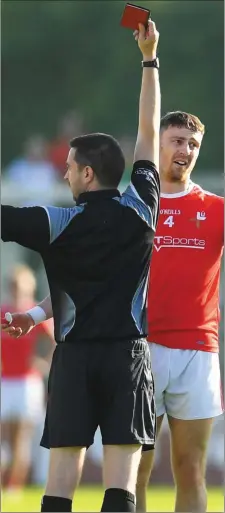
(42, 311)
(147, 146)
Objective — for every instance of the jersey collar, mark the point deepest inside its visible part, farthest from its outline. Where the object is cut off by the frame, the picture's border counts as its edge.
(87, 197)
(179, 194)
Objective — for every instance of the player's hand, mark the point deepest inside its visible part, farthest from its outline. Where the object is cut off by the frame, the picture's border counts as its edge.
(22, 323)
(147, 40)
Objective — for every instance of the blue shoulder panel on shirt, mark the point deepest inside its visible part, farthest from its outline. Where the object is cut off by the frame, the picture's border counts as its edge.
(59, 218)
(130, 198)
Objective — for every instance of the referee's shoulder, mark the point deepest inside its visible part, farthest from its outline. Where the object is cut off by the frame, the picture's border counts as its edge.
(60, 218)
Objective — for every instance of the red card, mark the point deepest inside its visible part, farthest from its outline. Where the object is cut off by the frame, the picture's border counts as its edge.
(133, 15)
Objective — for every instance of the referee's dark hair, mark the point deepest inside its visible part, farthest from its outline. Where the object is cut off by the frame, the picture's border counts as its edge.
(103, 154)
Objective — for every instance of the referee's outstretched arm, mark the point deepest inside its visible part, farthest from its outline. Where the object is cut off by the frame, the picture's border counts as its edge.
(144, 189)
(147, 145)
(28, 226)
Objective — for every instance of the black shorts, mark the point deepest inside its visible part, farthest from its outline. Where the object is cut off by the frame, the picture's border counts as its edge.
(100, 384)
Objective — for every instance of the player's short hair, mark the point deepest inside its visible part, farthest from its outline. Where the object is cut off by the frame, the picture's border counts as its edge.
(182, 119)
(103, 154)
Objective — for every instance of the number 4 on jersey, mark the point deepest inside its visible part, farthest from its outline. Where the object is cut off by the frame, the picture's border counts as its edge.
(169, 221)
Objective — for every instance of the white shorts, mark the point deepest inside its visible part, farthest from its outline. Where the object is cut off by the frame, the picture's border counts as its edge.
(22, 399)
(187, 383)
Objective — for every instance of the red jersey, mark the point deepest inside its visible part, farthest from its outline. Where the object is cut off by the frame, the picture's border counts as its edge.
(58, 153)
(183, 296)
(16, 354)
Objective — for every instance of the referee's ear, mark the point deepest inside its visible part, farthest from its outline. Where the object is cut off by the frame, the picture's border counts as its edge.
(88, 174)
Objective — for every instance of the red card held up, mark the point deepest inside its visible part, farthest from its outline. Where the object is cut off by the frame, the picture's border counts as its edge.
(133, 15)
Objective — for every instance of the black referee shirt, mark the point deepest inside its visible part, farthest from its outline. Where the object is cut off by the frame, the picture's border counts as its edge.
(96, 255)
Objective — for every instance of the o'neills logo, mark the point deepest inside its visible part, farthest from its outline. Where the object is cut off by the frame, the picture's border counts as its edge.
(177, 242)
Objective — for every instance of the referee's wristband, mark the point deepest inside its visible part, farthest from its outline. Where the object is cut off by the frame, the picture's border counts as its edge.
(37, 314)
(151, 64)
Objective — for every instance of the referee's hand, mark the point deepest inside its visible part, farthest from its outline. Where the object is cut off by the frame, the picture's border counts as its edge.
(21, 324)
(147, 39)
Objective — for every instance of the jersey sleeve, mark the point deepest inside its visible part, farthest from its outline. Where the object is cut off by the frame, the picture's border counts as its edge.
(35, 227)
(143, 192)
(28, 226)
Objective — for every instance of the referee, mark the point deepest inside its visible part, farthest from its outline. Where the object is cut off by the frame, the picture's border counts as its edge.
(96, 257)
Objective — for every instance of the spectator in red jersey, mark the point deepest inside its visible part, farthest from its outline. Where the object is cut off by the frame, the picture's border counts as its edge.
(70, 126)
(22, 390)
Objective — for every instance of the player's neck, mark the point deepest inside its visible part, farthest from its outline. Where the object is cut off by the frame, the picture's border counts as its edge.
(173, 188)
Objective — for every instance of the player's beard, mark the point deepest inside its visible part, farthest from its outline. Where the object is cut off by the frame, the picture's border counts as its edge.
(176, 173)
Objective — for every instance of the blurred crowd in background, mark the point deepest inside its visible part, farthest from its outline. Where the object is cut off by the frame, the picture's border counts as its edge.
(41, 165)
(67, 69)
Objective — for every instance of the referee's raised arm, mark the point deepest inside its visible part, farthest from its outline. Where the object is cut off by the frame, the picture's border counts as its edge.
(147, 145)
(143, 192)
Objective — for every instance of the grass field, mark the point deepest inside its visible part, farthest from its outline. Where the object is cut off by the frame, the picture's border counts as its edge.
(90, 499)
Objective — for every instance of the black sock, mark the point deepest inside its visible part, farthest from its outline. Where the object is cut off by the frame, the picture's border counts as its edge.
(50, 503)
(116, 499)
